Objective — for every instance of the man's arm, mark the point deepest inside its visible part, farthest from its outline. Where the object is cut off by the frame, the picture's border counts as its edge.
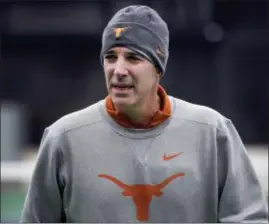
(43, 202)
(241, 197)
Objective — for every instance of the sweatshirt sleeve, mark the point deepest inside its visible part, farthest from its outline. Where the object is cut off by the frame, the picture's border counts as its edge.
(241, 197)
(43, 202)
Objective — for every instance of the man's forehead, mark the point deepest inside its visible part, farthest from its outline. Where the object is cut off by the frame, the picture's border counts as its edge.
(121, 50)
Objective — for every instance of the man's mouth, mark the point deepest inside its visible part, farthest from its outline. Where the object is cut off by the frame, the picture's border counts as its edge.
(121, 86)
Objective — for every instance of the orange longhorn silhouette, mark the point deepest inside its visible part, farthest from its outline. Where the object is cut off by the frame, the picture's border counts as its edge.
(119, 30)
(142, 193)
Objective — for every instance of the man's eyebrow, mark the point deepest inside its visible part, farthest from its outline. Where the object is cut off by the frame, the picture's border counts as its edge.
(110, 52)
(133, 53)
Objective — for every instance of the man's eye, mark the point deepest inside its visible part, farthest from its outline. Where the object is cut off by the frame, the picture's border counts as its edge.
(133, 58)
(110, 57)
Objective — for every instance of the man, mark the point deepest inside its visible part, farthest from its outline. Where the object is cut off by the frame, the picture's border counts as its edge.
(140, 155)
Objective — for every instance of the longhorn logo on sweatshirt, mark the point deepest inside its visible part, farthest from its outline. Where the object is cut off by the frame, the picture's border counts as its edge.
(142, 193)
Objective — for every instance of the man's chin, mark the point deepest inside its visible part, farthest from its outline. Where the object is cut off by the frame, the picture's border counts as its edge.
(122, 102)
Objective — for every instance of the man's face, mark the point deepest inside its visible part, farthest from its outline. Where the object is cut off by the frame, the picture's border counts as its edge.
(131, 79)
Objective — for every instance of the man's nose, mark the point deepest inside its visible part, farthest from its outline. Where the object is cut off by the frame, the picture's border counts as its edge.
(120, 69)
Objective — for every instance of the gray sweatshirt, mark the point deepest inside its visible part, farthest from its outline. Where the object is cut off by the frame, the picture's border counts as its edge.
(191, 168)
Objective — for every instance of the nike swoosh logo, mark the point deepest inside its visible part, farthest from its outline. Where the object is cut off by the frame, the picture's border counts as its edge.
(167, 158)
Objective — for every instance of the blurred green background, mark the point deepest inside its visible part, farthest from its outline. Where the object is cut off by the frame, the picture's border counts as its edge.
(12, 199)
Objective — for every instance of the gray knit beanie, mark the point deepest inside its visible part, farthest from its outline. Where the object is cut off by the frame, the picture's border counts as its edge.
(142, 29)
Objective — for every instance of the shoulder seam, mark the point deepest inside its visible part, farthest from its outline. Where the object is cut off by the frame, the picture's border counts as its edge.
(80, 126)
(202, 123)
(77, 127)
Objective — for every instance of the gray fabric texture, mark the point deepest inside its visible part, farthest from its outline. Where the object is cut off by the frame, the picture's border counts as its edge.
(142, 29)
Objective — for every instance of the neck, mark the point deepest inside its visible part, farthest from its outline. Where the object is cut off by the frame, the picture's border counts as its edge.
(142, 114)
(153, 115)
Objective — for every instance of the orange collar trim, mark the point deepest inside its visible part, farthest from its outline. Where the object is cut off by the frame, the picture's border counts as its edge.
(160, 116)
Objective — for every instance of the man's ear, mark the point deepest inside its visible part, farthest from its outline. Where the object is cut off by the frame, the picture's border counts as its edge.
(159, 73)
